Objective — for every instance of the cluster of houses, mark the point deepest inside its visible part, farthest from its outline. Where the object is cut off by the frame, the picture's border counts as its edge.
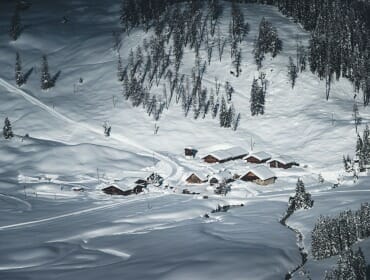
(260, 172)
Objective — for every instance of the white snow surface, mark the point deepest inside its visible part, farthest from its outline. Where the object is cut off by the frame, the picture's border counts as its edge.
(57, 224)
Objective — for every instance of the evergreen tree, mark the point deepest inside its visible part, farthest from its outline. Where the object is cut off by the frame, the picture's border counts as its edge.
(292, 71)
(19, 76)
(229, 91)
(223, 113)
(236, 122)
(120, 72)
(46, 81)
(237, 62)
(267, 42)
(7, 129)
(257, 99)
(15, 26)
(350, 266)
(301, 199)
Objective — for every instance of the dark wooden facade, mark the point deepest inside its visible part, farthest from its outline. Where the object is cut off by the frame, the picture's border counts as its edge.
(211, 159)
(249, 177)
(278, 164)
(113, 190)
(252, 159)
(194, 179)
(190, 152)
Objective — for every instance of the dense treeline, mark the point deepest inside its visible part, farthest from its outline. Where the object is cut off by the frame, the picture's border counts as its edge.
(340, 33)
(340, 39)
(156, 63)
(331, 236)
(363, 149)
(350, 265)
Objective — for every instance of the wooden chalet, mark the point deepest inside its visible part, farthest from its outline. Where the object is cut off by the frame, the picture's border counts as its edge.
(141, 182)
(224, 155)
(195, 178)
(223, 176)
(258, 158)
(116, 190)
(190, 152)
(260, 175)
(283, 162)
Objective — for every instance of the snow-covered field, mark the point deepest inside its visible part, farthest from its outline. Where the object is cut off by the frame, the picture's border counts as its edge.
(49, 230)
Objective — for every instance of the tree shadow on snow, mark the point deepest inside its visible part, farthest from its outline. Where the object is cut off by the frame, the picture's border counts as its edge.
(27, 75)
(55, 77)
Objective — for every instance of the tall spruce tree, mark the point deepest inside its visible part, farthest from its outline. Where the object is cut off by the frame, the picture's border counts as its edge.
(15, 25)
(292, 71)
(7, 129)
(19, 76)
(46, 81)
(257, 99)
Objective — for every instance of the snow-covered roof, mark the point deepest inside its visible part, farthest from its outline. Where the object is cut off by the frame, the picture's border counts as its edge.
(232, 152)
(260, 155)
(261, 172)
(222, 175)
(202, 177)
(119, 185)
(284, 159)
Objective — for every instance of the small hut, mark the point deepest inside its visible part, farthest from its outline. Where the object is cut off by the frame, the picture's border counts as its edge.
(116, 190)
(223, 176)
(258, 158)
(196, 178)
(283, 162)
(260, 175)
(190, 152)
(220, 156)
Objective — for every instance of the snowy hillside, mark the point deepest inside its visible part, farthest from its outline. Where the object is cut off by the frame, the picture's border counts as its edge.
(57, 223)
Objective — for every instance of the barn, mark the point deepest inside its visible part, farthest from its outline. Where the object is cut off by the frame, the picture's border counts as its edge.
(223, 176)
(220, 156)
(283, 162)
(195, 178)
(190, 152)
(258, 158)
(116, 190)
(260, 175)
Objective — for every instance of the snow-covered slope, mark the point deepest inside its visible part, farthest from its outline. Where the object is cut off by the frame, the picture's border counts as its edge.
(52, 231)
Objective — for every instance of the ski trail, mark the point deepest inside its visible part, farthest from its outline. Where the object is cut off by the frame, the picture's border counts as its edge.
(173, 170)
(76, 213)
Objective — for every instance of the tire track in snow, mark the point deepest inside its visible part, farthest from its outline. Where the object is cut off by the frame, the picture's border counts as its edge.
(174, 172)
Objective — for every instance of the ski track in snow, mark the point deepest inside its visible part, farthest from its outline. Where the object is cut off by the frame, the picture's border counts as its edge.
(27, 204)
(76, 213)
(173, 170)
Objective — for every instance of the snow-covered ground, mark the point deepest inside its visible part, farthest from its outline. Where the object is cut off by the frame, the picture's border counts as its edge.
(50, 230)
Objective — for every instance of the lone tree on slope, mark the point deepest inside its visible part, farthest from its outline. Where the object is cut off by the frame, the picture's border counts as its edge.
(15, 26)
(46, 80)
(7, 129)
(19, 76)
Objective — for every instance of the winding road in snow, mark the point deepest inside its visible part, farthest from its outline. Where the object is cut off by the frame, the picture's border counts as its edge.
(173, 171)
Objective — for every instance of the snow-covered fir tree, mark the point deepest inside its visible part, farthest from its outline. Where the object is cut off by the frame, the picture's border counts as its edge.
(7, 129)
(267, 42)
(350, 266)
(257, 100)
(292, 71)
(120, 72)
(19, 76)
(302, 199)
(15, 26)
(46, 81)
(333, 235)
